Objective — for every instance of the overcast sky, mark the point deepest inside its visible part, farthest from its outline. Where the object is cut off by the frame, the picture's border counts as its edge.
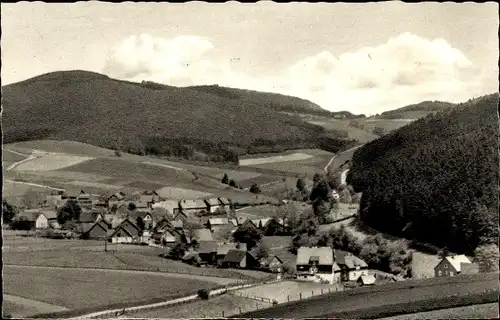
(365, 58)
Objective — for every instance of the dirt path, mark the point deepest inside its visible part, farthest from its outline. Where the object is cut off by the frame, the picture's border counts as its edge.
(34, 184)
(29, 307)
(218, 280)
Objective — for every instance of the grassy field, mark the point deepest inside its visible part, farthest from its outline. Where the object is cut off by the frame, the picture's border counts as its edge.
(274, 159)
(75, 289)
(18, 307)
(51, 162)
(361, 135)
(479, 311)
(282, 291)
(460, 289)
(211, 308)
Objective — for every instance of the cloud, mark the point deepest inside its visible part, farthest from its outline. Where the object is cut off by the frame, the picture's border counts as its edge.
(406, 69)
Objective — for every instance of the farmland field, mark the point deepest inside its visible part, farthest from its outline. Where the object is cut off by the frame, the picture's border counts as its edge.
(478, 311)
(16, 189)
(361, 135)
(87, 288)
(15, 306)
(211, 308)
(181, 193)
(51, 162)
(273, 159)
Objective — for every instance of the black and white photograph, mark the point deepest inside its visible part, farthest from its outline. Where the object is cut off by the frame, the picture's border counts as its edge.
(297, 160)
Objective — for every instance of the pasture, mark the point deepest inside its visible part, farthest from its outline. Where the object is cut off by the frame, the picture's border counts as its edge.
(211, 308)
(181, 193)
(273, 159)
(18, 307)
(91, 288)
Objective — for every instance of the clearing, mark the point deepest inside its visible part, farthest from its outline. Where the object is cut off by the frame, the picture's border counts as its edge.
(272, 159)
(49, 162)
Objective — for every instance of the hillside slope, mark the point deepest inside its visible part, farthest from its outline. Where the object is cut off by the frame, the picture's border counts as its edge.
(416, 111)
(275, 101)
(436, 179)
(141, 118)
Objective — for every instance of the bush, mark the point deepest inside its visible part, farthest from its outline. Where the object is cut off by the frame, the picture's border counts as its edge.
(118, 153)
(203, 294)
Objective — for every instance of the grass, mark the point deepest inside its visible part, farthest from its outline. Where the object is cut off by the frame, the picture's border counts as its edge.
(361, 135)
(274, 159)
(478, 311)
(181, 193)
(51, 162)
(76, 289)
(211, 308)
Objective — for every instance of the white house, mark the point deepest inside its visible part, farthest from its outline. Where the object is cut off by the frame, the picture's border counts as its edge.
(451, 265)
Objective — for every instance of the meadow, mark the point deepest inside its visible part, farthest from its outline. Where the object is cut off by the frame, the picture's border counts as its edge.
(212, 308)
(90, 288)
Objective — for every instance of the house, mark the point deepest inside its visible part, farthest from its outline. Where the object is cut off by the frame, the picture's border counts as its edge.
(241, 259)
(85, 200)
(352, 266)
(146, 217)
(181, 216)
(167, 238)
(272, 263)
(213, 204)
(90, 217)
(248, 224)
(225, 204)
(202, 235)
(368, 280)
(98, 230)
(315, 264)
(451, 266)
(191, 207)
(223, 249)
(172, 206)
(217, 224)
(149, 198)
(207, 251)
(116, 199)
(275, 227)
(34, 219)
(125, 232)
(162, 225)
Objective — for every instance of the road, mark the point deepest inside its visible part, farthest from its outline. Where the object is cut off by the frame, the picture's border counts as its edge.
(336, 155)
(361, 299)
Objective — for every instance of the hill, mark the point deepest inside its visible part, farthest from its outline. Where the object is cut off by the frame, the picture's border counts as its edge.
(275, 101)
(416, 111)
(147, 118)
(436, 179)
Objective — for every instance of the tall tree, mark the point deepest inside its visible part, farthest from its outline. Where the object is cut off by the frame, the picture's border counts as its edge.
(8, 211)
(255, 188)
(247, 234)
(301, 184)
(487, 257)
(69, 211)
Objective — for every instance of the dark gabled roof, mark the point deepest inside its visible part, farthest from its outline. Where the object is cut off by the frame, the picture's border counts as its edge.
(101, 224)
(207, 247)
(120, 227)
(88, 216)
(234, 255)
(138, 213)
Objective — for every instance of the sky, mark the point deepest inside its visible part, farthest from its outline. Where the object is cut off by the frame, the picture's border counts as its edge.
(364, 58)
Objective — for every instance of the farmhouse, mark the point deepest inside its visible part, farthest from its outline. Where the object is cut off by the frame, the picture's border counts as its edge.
(146, 217)
(213, 204)
(272, 263)
(191, 207)
(98, 230)
(217, 224)
(126, 232)
(171, 206)
(116, 199)
(201, 235)
(317, 264)
(34, 219)
(352, 266)
(225, 204)
(162, 225)
(451, 265)
(207, 251)
(223, 249)
(167, 238)
(242, 259)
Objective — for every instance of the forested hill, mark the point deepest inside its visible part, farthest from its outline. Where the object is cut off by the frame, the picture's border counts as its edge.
(275, 101)
(436, 179)
(416, 111)
(150, 118)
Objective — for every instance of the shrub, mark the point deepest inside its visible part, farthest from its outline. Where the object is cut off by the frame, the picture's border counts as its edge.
(118, 153)
(203, 294)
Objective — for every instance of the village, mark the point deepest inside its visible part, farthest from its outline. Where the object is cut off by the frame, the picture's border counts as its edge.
(206, 233)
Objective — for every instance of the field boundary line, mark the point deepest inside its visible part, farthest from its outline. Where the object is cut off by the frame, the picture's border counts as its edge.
(34, 184)
(15, 164)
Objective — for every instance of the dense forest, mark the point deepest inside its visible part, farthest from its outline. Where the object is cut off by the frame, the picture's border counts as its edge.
(435, 180)
(416, 111)
(151, 118)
